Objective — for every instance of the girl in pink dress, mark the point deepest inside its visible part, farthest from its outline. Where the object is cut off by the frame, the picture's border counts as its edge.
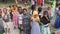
(15, 18)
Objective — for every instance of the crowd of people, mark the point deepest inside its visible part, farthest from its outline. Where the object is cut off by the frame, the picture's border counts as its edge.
(30, 22)
(26, 2)
(34, 21)
(27, 21)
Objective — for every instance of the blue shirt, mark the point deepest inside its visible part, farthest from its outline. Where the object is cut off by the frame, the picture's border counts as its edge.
(26, 20)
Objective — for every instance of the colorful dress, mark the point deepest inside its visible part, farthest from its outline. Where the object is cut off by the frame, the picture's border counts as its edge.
(15, 18)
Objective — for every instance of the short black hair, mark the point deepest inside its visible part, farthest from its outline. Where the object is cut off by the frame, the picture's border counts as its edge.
(19, 7)
(33, 7)
(39, 9)
(45, 12)
(24, 9)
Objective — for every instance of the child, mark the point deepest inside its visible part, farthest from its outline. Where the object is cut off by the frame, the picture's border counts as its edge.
(1, 23)
(33, 8)
(57, 21)
(40, 13)
(45, 18)
(15, 17)
(46, 21)
(6, 18)
(35, 29)
(26, 22)
(20, 14)
(15, 7)
(49, 12)
(11, 11)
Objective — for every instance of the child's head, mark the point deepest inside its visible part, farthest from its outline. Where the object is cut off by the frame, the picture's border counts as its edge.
(48, 8)
(20, 9)
(39, 10)
(35, 14)
(24, 11)
(45, 13)
(14, 6)
(0, 12)
(33, 7)
(5, 10)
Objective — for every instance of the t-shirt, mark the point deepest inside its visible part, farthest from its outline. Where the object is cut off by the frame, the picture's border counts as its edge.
(20, 18)
(26, 20)
(7, 16)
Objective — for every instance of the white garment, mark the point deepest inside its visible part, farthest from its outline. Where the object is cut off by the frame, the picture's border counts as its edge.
(20, 18)
(41, 14)
(7, 24)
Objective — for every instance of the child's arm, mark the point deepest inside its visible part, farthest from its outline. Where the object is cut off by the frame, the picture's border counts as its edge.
(47, 18)
(30, 20)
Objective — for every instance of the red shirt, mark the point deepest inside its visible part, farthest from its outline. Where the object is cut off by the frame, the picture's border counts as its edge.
(40, 1)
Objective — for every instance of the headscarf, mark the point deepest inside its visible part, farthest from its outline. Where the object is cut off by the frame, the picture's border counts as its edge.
(37, 17)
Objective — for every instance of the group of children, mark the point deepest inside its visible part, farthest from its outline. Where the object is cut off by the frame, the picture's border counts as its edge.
(28, 22)
(31, 2)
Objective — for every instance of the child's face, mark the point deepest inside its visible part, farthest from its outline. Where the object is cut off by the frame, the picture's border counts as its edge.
(20, 10)
(5, 11)
(45, 15)
(25, 12)
(11, 6)
(15, 6)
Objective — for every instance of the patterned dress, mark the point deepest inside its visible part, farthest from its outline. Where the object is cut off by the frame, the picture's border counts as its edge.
(26, 22)
(15, 18)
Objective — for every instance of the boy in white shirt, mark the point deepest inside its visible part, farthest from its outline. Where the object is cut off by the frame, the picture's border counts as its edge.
(6, 19)
(20, 14)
